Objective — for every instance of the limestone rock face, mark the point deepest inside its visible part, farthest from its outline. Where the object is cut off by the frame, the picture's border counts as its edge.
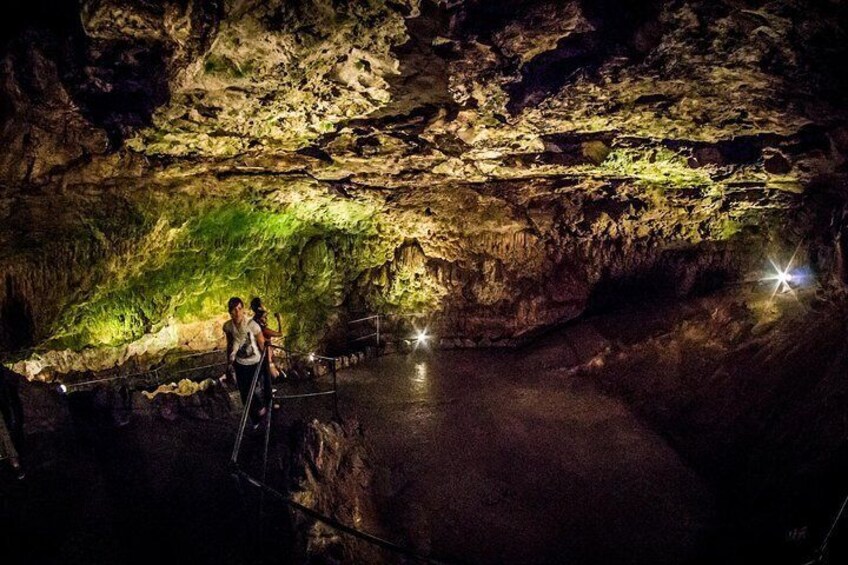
(76, 89)
(331, 474)
(495, 167)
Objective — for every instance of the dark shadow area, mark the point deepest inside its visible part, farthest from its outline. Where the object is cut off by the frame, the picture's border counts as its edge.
(117, 77)
(621, 28)
(757, 410)
(490, 455)
(56, 16)
(148, 491)
(675, 275)
(16, 324)
(423, 79)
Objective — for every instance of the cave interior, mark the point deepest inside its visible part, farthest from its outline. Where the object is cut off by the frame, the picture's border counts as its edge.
(574, 270)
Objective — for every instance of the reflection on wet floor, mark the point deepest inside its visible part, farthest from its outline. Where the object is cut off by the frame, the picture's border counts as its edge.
(419, 380)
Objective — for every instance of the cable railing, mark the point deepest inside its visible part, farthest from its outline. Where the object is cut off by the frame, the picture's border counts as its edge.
(329, 362)
(821, 555)
(337, 525)
(313, 358)
(265, 488)
(247, 406)
(151, 377)
(375, 319)
(161, 374)
(158, 374)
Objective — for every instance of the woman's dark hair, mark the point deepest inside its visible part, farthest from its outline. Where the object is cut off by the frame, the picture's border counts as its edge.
(256, 304)
(233, 302)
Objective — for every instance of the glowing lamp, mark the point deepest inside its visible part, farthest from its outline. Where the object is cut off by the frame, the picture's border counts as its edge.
(420, 338)
(63, 389)
(783, 276)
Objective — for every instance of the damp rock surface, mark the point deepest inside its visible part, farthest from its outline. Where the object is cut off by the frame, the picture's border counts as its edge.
(489, 457)
(679, 433)
(496, 166)
(331, 473)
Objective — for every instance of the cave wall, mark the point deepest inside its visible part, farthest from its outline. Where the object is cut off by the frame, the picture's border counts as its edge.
(496, 166)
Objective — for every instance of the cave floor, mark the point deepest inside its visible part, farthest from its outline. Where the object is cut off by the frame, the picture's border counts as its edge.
(153, 491)
(655, 455)
(481, 456)
(500, 457)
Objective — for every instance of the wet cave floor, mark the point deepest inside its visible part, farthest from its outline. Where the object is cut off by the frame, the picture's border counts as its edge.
(481, 456)
(495, 458)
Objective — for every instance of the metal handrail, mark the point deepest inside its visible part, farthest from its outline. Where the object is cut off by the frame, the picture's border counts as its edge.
(367, 336)
(265, 488)
(335, 524)
(331, 363)
(365, 319)
(247, 404)
(822, 551)
(156, 374)
(375, 333)
(304, 353)
(304, 395)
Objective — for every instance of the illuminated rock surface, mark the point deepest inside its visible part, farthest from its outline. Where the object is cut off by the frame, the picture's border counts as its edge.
(331, 473)
(498, 165)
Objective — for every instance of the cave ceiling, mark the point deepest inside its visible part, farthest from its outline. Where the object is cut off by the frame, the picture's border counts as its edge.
(496, 162)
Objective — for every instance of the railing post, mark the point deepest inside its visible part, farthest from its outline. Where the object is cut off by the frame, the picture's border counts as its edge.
(378, 334)
(335, 390)
(246, 413)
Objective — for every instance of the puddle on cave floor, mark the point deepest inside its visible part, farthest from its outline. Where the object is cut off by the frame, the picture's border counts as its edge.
(482, 456)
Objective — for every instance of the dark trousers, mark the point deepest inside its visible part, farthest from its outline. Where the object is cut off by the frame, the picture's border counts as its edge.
(244, 376)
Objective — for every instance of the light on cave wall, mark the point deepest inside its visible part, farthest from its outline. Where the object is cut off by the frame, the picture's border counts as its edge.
(168, 283)
(782, 278)
(421, 338)
(787, 278)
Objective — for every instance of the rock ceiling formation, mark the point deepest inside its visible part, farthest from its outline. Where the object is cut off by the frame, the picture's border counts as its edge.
(497, 165)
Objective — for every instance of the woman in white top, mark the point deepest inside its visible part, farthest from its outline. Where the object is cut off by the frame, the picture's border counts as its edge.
(245, 345)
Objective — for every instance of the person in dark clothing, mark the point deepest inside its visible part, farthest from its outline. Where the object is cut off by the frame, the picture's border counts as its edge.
(11, 420)
(260, 316)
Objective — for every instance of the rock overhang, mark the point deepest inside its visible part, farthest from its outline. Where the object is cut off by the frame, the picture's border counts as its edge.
(502, 163)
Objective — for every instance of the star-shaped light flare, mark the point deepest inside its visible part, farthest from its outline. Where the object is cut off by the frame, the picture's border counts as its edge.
(783, 276)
